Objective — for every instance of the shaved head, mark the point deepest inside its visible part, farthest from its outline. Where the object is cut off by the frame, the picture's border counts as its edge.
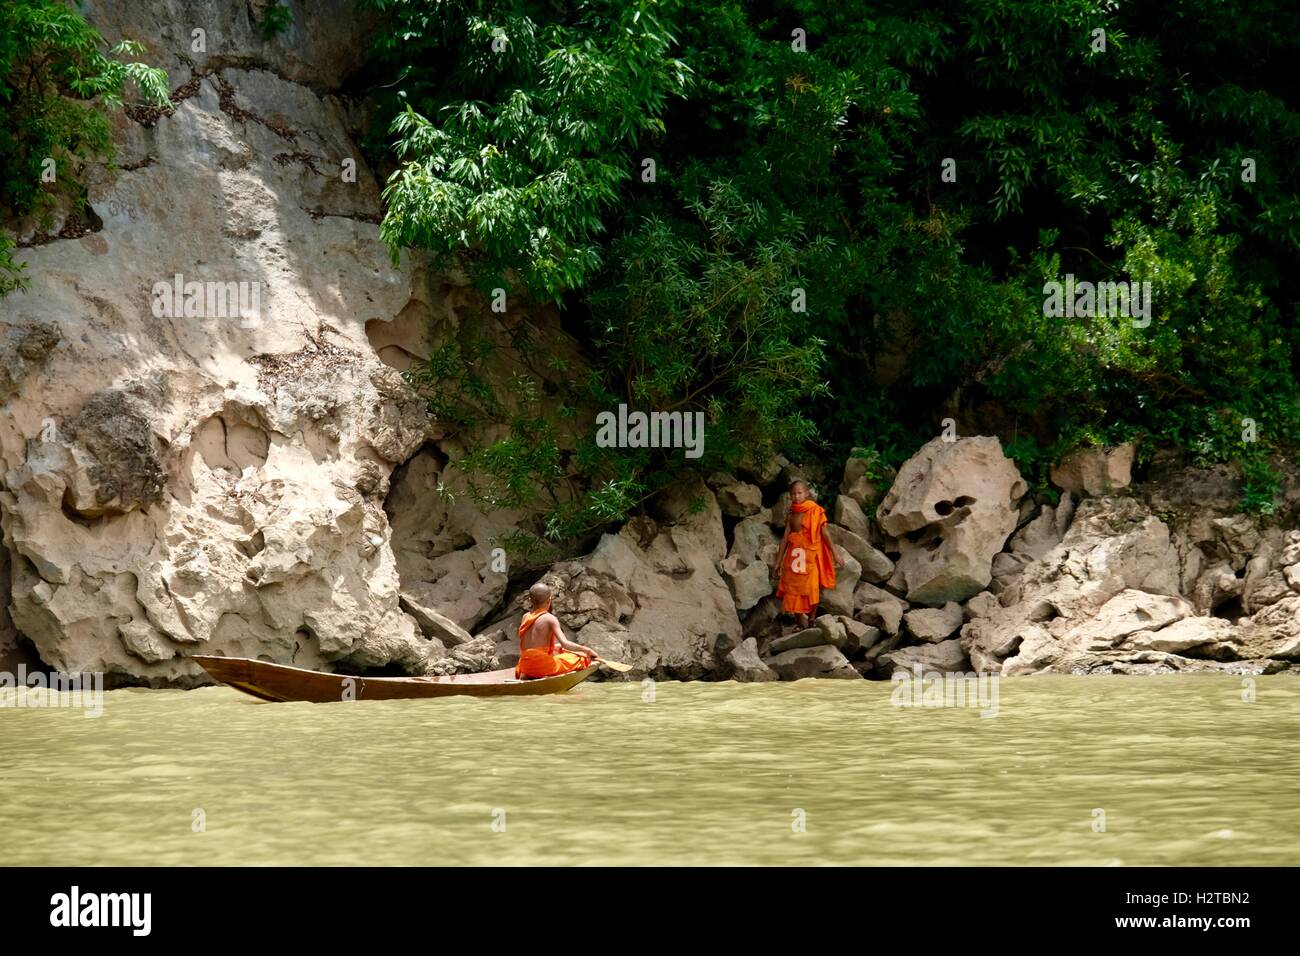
(798, 483)
(540, 595)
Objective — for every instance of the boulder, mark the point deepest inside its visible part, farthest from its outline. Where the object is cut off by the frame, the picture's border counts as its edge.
(835, 629)
(859, 637)
(933, 625)
(779, 511)
(749, 583)
(1095, 470)
(435, 625)
(473, 657)
(856, 483)
(1215, 586)
(1273, 632)
(1126, 613)
(762, 470)
(870, 662)
(762, 621)
(1210, 636)
(1115, 573)
(981, 605)
(849, 515)
(746, 665)
(819, 661)
(875, 566)
(840, 599)
(736, 498)
(1032, 541)
(946, 657)
(879, 608)
(747, 568)
(754, 540)
(950, 511)
(808, 637)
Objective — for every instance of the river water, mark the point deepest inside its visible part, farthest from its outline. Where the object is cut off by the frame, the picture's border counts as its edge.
(1099, 770)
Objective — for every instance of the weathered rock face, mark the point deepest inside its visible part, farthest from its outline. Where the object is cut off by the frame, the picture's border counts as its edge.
(1032, 541)
(213, 477)
(1095, 471)
(1117, 591)
(747, 568)
(933, 625)
(950, 512)
(651, 595)
(24, 348)
(449, 554)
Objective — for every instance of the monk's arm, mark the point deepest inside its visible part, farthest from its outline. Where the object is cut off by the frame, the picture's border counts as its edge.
(835, 555)
(569, 645)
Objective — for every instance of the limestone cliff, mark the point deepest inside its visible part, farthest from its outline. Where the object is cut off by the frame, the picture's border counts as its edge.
(176, 477)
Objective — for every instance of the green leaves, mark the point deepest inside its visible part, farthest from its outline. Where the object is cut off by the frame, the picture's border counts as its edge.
(521, 129)
(522, 143)
(57, 76)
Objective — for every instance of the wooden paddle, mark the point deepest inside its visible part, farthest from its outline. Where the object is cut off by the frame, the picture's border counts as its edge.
(615, 665)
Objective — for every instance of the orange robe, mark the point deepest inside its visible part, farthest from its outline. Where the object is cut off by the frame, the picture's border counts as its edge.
(808, 566)
(545, 661)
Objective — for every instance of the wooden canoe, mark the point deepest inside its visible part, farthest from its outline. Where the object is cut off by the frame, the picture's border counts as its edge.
(280, 682)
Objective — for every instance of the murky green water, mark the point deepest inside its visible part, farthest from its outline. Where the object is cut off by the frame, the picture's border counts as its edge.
(1185, 771)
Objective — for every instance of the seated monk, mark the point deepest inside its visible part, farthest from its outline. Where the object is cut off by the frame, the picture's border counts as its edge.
(544, 651)
(807, 559)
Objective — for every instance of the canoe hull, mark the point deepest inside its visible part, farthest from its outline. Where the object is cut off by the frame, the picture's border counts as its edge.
(281, 682)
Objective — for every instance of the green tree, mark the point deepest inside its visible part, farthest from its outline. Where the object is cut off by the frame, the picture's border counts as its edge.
(57, 79)
(1107, 141)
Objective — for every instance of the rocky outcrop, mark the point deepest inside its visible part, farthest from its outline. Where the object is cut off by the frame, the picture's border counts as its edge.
(202, 410)
(1166, 576)
(1122, 585)
(472, 657)
(450, 554)
(858, 484)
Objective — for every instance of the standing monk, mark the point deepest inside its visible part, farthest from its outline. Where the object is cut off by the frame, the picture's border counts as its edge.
(544, 651)
(807, 559)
